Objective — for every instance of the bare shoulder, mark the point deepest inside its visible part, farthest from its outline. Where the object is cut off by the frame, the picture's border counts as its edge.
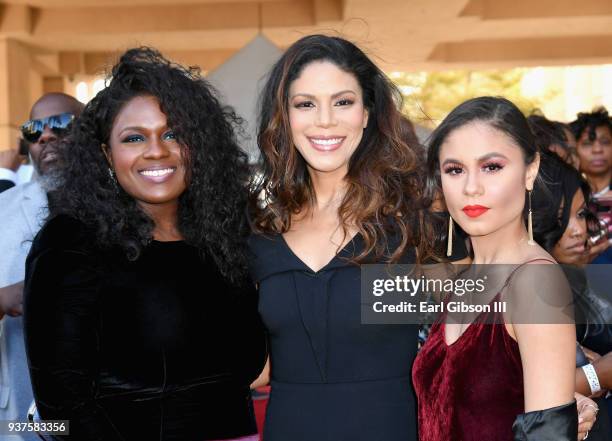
(539, 272)
(538, 256)
(539, 293)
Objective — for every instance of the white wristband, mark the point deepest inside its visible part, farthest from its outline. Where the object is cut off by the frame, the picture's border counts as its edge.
(591, 376)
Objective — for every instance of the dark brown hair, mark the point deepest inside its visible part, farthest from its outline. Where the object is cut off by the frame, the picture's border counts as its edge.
(500, 114)
(384, 179)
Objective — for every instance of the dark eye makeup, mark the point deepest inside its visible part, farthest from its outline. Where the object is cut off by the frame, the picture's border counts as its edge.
(132, 138)
(488, 167)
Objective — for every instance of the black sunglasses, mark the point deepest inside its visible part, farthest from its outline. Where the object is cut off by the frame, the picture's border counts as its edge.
(59, 124)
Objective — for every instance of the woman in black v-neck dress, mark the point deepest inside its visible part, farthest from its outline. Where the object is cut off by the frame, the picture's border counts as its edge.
(330, 124)
(332, 377)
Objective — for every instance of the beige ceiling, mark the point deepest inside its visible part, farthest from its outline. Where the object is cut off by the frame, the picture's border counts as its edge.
(77, 36)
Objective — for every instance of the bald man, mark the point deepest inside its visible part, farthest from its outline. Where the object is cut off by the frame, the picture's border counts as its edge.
(47, 106)
(43, 151)
(23, 209)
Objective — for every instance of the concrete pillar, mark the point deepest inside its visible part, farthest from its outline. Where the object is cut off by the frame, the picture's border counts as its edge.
(15, 90)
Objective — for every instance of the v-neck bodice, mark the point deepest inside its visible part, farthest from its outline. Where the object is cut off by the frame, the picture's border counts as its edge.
(471, 388)
(341, 253)
(351, 379)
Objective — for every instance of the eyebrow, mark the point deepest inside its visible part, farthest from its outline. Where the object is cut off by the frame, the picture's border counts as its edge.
(491, 155)
(139, 129)
(136, 128)
(335, 95)
(481, 159)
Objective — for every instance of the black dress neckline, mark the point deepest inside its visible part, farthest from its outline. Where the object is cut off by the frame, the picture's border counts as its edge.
(336, 256)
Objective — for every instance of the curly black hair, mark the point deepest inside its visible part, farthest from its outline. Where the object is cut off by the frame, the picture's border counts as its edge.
(211, 213)
(590, 121)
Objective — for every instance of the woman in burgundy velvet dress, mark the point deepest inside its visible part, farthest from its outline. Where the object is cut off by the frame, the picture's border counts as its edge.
(493, 378)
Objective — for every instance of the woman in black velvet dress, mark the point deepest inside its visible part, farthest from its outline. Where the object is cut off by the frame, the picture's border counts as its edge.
(140, 322)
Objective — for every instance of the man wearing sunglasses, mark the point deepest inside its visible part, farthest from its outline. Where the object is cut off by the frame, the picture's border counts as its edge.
(23, 209)
(51, 118)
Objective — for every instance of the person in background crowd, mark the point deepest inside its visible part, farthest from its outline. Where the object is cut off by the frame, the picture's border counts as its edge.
(555, 137)
(23, 209)
(564, 226)
(593, 133)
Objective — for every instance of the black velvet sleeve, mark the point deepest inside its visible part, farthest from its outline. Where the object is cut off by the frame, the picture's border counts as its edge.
(61, 331)
(253, 353)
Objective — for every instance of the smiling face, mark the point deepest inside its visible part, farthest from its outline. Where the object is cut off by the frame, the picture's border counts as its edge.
(145, 155)
(570, 248)
(484, 178)
(327, 116)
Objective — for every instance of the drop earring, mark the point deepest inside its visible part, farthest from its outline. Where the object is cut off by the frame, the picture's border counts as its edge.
(449, 246)
(530, 240)
(113, 180)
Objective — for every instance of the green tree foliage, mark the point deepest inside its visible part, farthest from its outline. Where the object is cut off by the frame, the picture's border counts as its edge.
(430, 96)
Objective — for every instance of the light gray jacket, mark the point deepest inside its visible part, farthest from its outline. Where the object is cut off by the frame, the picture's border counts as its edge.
(23, 210)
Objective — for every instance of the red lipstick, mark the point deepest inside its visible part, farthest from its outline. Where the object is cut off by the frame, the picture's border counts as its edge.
(474, 210)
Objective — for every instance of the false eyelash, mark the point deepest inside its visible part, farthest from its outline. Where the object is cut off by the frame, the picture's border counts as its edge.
(451, 168)
(493, 164)
(132, 138)
(303, 105)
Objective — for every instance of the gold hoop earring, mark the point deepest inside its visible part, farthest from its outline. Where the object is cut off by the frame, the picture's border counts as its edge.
(530, 240)
(449, 245)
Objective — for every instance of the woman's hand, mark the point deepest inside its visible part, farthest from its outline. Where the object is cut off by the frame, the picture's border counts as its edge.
(590, 355)
(597, 248)
(11, 300)
(587, 414)
(10, 159)
(603, 367)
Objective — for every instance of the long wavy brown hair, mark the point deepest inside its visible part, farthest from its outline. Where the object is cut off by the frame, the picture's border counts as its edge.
(385, 174)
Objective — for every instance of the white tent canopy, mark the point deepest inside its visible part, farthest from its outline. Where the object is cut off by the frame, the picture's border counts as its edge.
(240, 80)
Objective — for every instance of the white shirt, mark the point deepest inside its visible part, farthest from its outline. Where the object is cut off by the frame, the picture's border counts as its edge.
(21, 176)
